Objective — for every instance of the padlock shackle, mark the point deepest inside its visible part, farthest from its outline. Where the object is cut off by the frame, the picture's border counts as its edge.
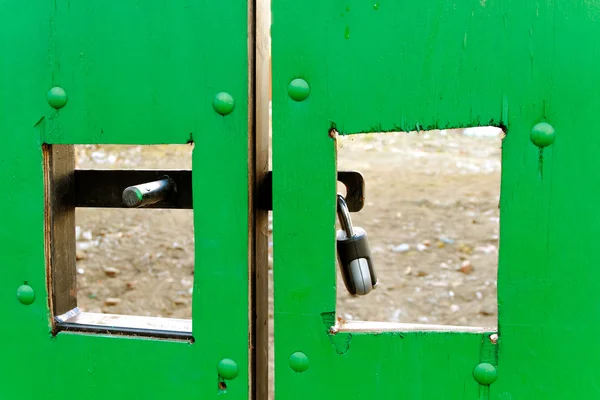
(344, 216)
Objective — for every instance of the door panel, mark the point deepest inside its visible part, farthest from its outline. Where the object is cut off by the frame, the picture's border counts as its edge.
(410, 66)
(133, 73)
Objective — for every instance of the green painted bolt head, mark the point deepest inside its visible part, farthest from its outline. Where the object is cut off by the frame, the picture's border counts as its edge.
(57, 97)
(542, 134)
(299, 361)
(485, 374)
(25, 294)
(227, 369)
(223, 103)
(298, 89)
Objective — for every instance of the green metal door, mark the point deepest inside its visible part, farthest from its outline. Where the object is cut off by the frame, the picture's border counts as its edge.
(381, 66)
(124, 72)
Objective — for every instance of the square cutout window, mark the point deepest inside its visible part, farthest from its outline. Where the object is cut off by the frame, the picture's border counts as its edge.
(113, 266)
(432, 218)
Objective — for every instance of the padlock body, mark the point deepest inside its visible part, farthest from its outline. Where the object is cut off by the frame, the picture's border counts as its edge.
(360, 275)
(354, 256)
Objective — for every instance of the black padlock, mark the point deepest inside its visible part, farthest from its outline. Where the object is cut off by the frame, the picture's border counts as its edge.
(354, 255)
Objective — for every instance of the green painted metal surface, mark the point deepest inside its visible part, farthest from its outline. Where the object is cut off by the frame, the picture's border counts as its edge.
(406, 66)
(133, 73)
(149, 73)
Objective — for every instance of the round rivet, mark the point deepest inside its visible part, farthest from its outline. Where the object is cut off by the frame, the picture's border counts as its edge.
(299, 361)
(298, 89)
(227, 369)
(25, 294)
(542, 134)
(57, 97)
(223, 103)
(376, 6)
(485, 374)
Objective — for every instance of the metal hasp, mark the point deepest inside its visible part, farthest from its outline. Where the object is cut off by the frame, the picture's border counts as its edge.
(148, 193)
(122, 189)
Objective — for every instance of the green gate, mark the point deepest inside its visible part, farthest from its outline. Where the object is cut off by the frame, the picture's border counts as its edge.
(178, 72)
(381, 66)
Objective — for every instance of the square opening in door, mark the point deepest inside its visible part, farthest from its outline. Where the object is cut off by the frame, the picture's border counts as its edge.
(118, 267)
(432, 219)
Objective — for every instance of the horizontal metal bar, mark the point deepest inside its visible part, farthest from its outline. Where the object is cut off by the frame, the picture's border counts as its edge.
(130, 325)
(138, 332)
(104, 188)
